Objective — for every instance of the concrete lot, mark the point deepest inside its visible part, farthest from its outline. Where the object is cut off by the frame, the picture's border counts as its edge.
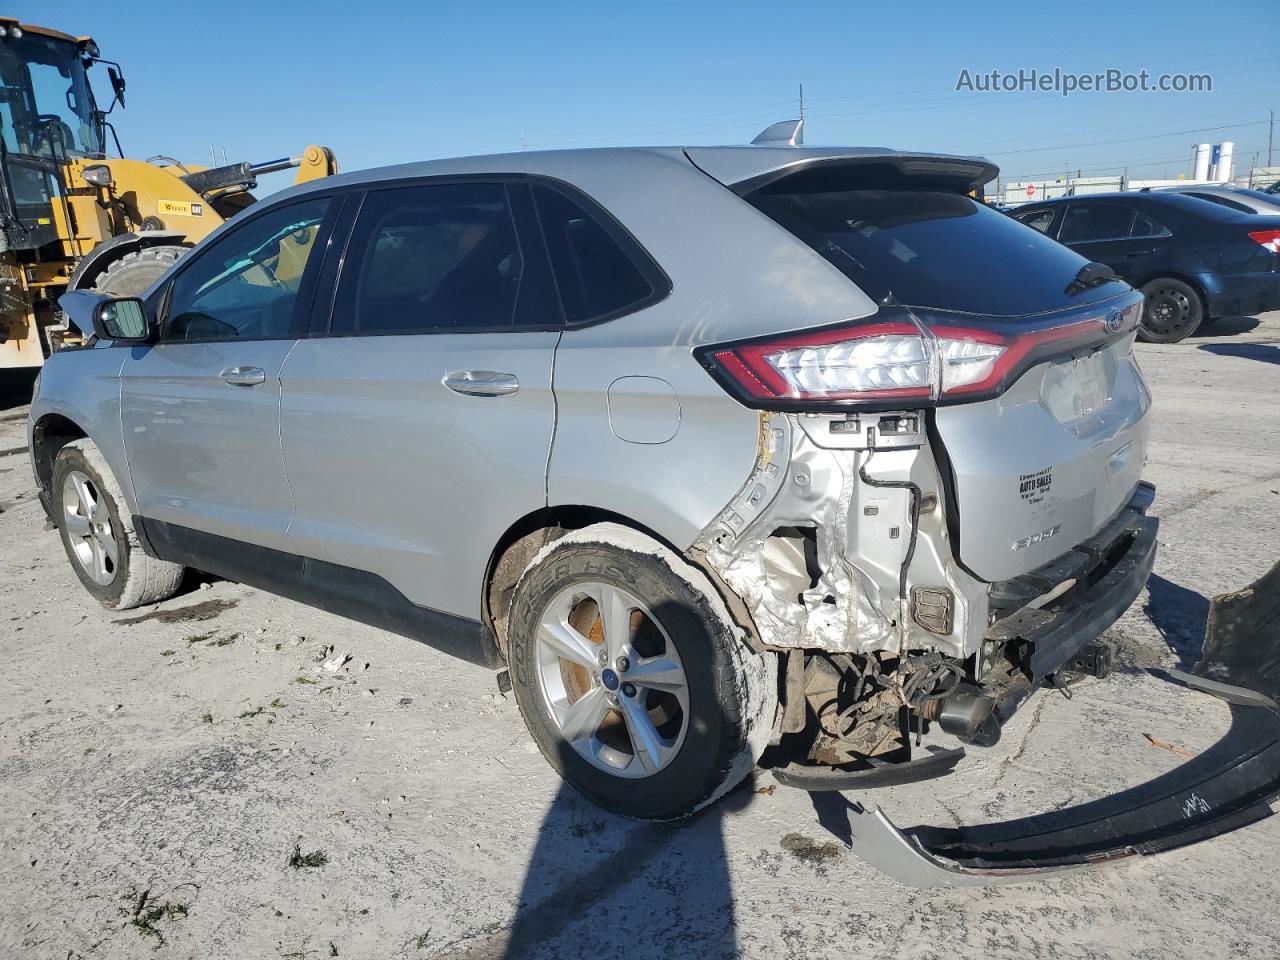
(158, 767)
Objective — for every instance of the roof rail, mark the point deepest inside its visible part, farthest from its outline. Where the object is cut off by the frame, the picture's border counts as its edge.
(789, 133)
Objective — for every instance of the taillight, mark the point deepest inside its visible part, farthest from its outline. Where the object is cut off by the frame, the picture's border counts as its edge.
(873, 361)
(1270, 239)
(908, 361)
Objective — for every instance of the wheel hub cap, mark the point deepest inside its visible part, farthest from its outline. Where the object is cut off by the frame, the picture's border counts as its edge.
(88, 524)
(634, 735)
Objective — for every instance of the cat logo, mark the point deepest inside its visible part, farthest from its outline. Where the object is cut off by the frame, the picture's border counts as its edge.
(180, 208)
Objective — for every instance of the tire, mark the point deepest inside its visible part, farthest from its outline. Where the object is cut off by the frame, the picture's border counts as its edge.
(706, 728)
(132, 274)
(83, 487)
(1172, 311)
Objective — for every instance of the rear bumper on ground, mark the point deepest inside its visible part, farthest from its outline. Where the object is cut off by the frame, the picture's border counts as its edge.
(1232, 784)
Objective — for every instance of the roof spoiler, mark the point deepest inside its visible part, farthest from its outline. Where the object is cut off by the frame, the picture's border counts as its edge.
(784, 133)
(961, 174)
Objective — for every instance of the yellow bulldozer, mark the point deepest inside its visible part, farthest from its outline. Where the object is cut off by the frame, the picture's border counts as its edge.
(73, 218)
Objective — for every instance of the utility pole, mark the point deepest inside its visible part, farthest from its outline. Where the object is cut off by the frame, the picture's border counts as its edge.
(802, 103)
(1271, 129)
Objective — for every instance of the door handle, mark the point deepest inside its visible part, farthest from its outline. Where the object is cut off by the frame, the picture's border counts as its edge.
(244, 376)
(1140, 253)
(481, 383)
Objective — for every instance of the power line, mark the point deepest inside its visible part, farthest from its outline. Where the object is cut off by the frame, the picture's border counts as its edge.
(1154, 136)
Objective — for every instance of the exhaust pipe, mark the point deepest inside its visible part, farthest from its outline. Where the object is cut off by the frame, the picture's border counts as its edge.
(967, 714)
(975, 714)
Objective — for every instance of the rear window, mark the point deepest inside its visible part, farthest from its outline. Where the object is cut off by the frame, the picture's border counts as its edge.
(927, 248)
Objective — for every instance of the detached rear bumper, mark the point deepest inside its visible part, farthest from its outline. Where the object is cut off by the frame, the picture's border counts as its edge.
(1109, 570)
(1233, 783)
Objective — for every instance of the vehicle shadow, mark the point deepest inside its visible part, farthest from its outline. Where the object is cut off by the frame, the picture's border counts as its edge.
(16, 386)
(1226, 327)
(599, 884)
(1262, 352)
(597, 880)
(1179, 615)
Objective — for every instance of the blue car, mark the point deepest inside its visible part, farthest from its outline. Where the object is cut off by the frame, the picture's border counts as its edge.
(1192, 259)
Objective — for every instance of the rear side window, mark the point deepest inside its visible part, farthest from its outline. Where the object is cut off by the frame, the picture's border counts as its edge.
(928, 248)
(596, 276)
(1144, 226)
(440, 257)
(1040, 220)
(1223, 201)
(1096, 221)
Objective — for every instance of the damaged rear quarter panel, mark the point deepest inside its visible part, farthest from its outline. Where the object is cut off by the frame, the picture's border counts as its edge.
(840, 591)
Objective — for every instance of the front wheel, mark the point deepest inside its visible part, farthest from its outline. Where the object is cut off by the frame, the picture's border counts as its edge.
(632, 678)
(1172, 311)
(135, 272)
(99, 536)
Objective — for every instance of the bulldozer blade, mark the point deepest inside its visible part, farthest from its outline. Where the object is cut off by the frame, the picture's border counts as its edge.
(1228, 786)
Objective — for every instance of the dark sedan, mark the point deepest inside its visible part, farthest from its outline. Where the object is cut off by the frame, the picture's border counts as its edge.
(1192, 259)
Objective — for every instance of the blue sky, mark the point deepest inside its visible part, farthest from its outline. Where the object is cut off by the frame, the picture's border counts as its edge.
(387, 82)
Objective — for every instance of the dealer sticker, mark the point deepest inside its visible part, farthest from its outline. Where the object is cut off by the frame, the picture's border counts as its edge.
(1033, 487)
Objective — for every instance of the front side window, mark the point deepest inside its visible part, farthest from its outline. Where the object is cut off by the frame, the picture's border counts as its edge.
(434, 258)
(596, 276)
(245, 285)
(1096, 221)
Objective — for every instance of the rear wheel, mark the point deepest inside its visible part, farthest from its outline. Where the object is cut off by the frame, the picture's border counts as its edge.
(133, 273)
(99, 536)
(631, 677)
(1172, 311)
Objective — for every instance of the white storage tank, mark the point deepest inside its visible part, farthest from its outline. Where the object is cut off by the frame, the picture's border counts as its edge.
(1222, 168)
(1200, 168)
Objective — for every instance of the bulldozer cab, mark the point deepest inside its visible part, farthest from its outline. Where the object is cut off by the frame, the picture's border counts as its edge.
(74, 218)
(48, 117)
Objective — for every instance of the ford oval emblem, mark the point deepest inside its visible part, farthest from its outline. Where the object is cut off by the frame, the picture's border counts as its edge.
(1115, 321)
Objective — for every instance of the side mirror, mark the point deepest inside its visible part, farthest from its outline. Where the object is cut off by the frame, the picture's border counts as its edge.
(122, 321)
(117, 83)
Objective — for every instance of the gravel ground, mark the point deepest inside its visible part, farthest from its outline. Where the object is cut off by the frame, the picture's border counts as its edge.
(190, 780)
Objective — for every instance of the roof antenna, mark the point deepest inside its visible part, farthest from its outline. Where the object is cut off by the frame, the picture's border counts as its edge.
(784, 133)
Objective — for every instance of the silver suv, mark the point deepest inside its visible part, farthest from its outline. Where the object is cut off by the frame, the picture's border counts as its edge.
(721, 452)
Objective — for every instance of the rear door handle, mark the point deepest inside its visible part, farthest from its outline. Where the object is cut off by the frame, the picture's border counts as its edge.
(244, 376)
(481, 383)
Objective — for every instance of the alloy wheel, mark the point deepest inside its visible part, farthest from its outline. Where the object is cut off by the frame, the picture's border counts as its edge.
(88, 524)
(612, 680)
